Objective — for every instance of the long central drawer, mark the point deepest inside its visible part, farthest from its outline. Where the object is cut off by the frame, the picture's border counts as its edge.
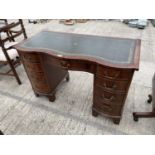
(78, 65)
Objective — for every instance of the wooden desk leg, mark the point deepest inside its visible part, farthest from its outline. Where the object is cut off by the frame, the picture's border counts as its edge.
(51, 97)
(116, 120)
(67, 77)
(94, 113)
(36, 94)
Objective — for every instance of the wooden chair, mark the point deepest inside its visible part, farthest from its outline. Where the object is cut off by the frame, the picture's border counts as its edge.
(8, 55)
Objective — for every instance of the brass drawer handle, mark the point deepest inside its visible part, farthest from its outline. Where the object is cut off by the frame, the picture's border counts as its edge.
(113, 87)
(112, 77)
(109, 99)
(65, 64)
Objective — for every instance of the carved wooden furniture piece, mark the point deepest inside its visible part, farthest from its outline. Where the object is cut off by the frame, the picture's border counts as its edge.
(137, 115)
(48, 56)
(9, 55)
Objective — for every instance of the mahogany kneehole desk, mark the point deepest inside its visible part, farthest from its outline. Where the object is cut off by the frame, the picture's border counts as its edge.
(48, 56)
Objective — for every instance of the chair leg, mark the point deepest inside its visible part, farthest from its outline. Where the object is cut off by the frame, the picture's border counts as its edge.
(15, 73)
(18, 79)
(11, 65)
(23, 28)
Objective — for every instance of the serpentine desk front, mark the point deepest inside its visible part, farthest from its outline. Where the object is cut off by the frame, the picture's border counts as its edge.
(48, 56)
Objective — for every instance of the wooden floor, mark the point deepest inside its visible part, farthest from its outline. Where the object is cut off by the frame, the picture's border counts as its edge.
(22, 113)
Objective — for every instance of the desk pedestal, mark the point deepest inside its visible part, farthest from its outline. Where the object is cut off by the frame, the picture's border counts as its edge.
(110, 91)
(43, 74)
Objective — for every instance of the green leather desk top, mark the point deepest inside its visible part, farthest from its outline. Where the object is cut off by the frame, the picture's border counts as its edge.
(114, 50)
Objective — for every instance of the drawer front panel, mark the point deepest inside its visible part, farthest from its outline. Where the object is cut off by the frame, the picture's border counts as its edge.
(112, 85)
(82, 66)
(109, 110)
(72, 64)
(100, 95)
(111, 73)
(58, 62)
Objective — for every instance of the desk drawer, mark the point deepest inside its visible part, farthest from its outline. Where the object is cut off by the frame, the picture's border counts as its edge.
(108, 103)
(78, 65)
(111, 73)
(81, 65)
(108, 110)
(57, 62)
(113, 85)
(102, 96)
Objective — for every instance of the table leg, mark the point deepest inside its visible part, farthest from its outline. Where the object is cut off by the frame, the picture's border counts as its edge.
(36, 94)
(94, 113)
(116, 120)
(67, 77)
(51, 97)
